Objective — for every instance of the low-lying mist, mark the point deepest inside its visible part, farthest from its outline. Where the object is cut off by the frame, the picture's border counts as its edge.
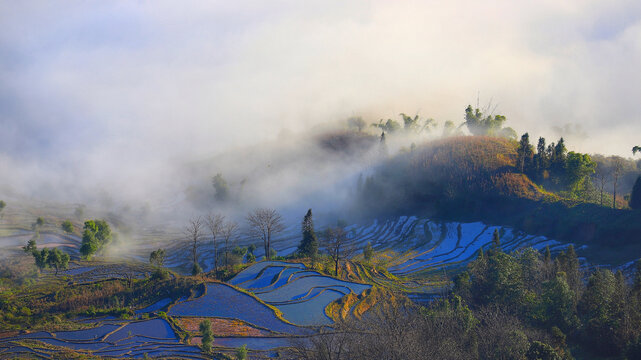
(132, 108)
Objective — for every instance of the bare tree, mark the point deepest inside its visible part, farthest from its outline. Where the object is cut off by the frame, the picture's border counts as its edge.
(229, 230)
(602, 173)
(617, 170)
(193, 231)
(215, 224)
(263, 224)
(337, 246)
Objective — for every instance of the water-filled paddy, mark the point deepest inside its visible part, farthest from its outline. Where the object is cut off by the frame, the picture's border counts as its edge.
(224, 301)
(307, 312)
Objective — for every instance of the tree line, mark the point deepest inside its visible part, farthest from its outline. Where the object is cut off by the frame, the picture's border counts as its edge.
(521, 305)
(261, 224)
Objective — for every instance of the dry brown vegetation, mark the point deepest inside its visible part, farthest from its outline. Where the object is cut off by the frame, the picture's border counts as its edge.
(221, 327)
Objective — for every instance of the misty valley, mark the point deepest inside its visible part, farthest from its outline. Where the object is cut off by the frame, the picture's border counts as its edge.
(320, 180)
(418, 237)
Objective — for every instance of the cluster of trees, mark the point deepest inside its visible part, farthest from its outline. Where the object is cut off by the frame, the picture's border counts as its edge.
(46, 258)
(96, 235)
(408, 124)
(3, 204)
(575, 174)
(261, 223)
(524, 305)
(602, 314)
(334, 243)
(556, 168)
(479, 123)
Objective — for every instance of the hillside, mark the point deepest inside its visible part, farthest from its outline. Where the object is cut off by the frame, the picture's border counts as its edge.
(475, 178)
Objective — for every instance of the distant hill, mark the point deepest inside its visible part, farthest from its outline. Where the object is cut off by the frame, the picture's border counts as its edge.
(475, 178)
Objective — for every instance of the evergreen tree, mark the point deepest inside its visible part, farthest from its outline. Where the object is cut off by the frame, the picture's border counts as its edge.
(548, 264)
(636, 283)
(309, 244)
(560, 151)
(597, 308)
(207, 335)
(496, 240)
(635, 197)
(368, 252)
(524, 153)
(568, 262)
(547, 257)
(558, 158)
(541, 156)
(559, 307)
(541, 351)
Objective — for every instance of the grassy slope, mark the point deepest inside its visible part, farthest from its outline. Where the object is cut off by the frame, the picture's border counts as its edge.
(474, 178)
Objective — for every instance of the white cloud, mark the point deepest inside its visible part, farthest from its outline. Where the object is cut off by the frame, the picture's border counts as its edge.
(126, 86)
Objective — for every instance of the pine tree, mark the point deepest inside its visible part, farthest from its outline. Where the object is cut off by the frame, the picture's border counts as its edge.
(524, 152)
(541, 159)
(635, 197)
(496, 240)
(547, 257)
(309, 244)
(368, 252)
(568, 262)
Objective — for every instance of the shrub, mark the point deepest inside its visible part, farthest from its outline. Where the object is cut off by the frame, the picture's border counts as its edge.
(67, 226)
(241, 353)
(208, 337)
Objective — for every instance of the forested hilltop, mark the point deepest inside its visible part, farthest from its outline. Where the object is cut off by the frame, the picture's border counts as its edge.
(496, 177)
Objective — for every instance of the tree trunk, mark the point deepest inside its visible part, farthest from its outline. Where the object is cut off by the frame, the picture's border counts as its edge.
(215, 256)
(226, 252)
(601, 195)
(265, 246)
(268, 256)
(336, 267)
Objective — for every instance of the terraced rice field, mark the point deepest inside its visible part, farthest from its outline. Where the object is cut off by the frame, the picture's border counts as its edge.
(416, 245)
(224, 301)
(301, 295)
(424, 245)
(19, 238)
(134, 339)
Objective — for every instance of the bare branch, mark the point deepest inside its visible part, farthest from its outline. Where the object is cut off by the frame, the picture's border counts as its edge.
(263, 224)
(193, 231)
(215, 225)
